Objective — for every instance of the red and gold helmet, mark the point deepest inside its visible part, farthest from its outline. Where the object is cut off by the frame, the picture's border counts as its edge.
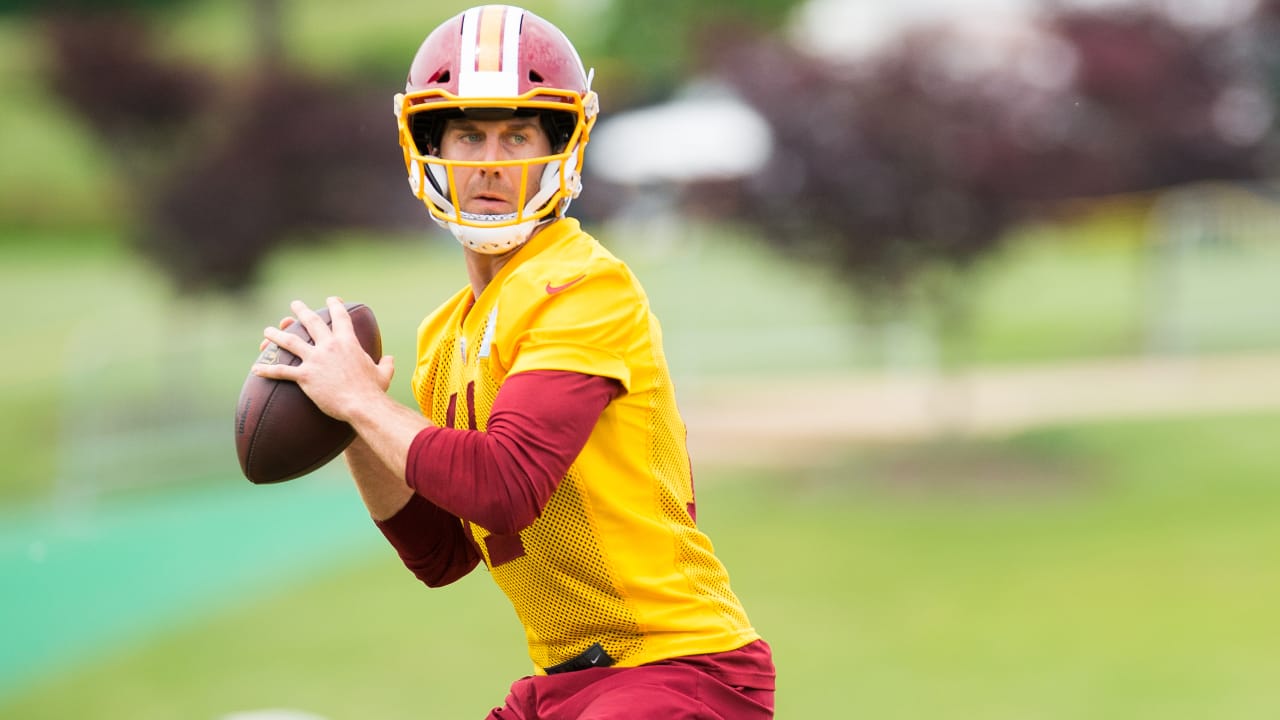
(496, 61)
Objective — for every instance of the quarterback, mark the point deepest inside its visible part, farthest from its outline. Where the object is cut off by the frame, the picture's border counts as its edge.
(547, 444)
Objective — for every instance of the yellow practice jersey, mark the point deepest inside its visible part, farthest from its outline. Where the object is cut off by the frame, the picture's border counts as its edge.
(615, 557)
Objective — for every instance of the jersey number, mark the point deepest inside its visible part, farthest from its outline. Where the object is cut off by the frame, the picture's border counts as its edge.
(451, 415)
(502, 548)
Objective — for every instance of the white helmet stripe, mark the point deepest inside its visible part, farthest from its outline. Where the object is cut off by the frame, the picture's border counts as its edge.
(490, 52)
(511, 41)
(470, 36)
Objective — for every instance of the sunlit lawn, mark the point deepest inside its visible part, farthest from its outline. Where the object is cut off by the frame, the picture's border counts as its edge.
(110, 337)
(1109, 571)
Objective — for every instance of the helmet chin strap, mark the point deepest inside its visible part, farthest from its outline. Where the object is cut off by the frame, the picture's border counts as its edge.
(493, 240)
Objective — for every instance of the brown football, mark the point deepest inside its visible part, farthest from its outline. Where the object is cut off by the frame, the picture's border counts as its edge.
(280, 433)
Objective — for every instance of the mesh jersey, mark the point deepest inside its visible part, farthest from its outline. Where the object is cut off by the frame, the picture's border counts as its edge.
(615, 558)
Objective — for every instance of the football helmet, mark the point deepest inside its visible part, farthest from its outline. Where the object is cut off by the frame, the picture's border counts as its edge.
(493, 62)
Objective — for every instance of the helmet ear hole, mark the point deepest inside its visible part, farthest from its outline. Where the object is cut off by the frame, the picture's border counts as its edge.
(534, 76)
(427, 129)
(559, 127)
(423, 129)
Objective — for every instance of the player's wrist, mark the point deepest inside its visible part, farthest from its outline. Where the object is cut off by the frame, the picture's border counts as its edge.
(380, 416)
(366, 411)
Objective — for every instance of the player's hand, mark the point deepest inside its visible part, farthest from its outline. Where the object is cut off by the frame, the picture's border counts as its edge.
(284, 323)
(335, 372)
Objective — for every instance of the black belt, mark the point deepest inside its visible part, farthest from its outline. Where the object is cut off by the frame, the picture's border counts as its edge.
(593, 657)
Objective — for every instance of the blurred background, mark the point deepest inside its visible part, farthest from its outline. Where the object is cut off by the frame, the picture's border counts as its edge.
(972, 307)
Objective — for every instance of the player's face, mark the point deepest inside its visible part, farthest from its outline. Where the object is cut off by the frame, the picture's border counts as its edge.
(494, 190)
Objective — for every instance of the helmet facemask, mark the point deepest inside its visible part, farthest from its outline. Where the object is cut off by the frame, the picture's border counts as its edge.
(564, 117)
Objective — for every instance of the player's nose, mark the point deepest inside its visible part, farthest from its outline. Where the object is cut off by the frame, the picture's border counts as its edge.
(492, 149)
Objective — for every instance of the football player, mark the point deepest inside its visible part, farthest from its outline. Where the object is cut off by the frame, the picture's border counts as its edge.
(547, 444)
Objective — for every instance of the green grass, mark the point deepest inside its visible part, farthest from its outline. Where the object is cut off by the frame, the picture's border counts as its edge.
(111, 342)
(111, 349)
(1124, 570)
(1097, 288)
(1058, 298)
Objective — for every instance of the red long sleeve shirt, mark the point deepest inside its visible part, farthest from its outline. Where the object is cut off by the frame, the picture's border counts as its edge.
(500, 478)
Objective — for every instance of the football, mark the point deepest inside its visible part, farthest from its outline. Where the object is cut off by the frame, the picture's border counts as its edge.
(280, 433)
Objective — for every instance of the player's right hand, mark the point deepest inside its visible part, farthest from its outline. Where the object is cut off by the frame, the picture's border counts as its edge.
(284, 323)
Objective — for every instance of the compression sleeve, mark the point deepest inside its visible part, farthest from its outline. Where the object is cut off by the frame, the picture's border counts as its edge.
(430, 542)
(502, 478)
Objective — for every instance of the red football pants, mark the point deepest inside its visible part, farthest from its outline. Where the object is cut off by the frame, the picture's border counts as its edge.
(669, 690)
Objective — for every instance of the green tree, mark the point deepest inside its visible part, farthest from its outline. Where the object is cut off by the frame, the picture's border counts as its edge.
(45, 7)
(219, 171)
(901, 173)
(655, 42)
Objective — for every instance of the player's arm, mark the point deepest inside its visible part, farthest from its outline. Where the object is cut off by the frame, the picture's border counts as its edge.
(343, 381)
(383, 491)
(564, 367)
(429, 540)
(502, 478)
(499, 479)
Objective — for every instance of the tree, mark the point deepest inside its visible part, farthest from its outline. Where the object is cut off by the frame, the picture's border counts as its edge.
(220, 172)
(651, 45)
(917, 162)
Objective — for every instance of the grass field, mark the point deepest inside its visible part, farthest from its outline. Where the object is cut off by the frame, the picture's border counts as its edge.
(1112, 571)
(111, 347)
(1108, 571)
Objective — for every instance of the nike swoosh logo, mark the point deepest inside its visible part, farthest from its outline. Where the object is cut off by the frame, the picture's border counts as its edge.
(553, 289)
